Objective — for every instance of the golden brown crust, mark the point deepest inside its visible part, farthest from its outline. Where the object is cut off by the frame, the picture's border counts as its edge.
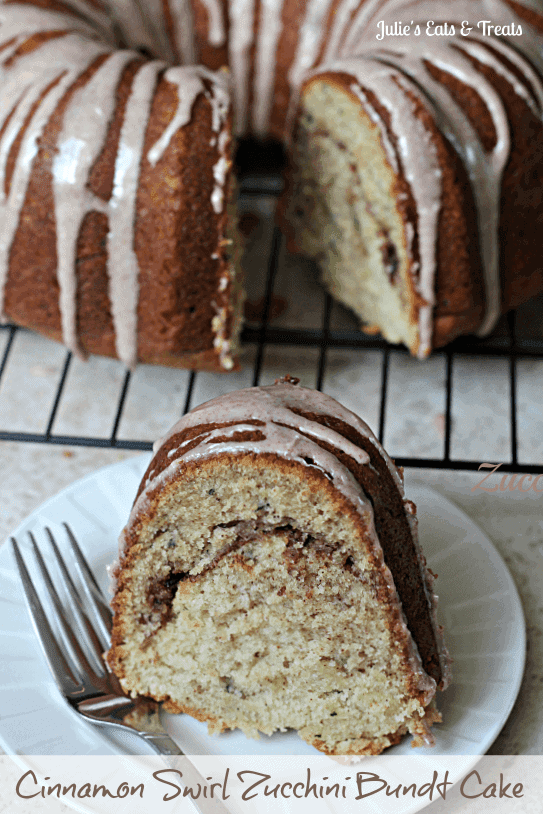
(364, 746)
(215, 726)
(179, 279)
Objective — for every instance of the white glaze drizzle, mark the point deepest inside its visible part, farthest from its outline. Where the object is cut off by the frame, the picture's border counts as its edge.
(276, 403)
(340, 26)
(122, 259)
(79, 143)
(189, 84)
(484, 168)
(216, 31)
(533, 94)
(269, 33)
(241, 14)
(220, 170)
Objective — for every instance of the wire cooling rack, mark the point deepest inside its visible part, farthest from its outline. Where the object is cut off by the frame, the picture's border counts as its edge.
(475, 401)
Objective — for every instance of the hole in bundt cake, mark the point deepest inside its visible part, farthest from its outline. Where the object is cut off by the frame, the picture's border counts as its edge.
(254, 157)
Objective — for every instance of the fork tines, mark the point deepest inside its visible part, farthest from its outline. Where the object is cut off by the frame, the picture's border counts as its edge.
(74, 654)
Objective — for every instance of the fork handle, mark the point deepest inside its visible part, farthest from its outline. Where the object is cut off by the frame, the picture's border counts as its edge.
(161, 743)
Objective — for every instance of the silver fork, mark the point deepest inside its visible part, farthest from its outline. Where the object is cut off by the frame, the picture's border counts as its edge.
(79, 671)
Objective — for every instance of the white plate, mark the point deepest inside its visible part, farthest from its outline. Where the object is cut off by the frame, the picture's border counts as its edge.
(479, 607)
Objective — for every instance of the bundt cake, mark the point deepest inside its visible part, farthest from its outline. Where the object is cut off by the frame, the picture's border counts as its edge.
(416, 176)
(270, 578)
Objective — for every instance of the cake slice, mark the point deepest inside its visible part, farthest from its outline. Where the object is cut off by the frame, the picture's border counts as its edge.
(409, 197)
(270, 578)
